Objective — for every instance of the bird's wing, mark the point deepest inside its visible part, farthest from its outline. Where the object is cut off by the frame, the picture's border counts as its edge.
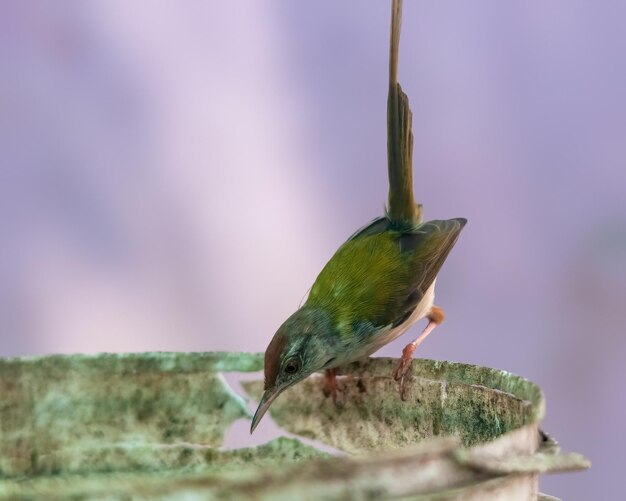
(426, 248)
(379, 274)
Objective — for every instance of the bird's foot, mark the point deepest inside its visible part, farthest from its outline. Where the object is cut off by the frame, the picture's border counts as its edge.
(331, 386)
(402, 370)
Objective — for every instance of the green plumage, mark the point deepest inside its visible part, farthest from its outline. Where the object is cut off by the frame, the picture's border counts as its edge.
(380, 274)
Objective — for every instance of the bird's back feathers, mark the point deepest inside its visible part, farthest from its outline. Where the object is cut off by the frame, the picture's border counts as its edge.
(381, 273)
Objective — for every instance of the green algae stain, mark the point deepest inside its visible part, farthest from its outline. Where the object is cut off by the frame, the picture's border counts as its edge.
(443, 399)
(59, 410)
(181, 466)
(151, 424)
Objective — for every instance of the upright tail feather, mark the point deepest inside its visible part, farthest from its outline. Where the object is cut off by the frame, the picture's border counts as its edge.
(402, 207)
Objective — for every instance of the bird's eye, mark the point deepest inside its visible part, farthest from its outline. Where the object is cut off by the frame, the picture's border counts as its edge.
(292, 366)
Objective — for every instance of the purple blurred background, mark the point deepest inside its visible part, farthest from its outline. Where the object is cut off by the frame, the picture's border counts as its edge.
(173, 176)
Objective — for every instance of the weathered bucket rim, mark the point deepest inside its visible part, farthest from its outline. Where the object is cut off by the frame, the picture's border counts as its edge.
(182, 362)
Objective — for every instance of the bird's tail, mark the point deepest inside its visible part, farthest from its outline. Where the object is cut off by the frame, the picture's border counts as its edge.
(402, 208)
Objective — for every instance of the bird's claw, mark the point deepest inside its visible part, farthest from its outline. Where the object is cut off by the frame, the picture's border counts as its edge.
(402, 371)
(402, 374)
(327, 391)
(331, 386)
(335, 394)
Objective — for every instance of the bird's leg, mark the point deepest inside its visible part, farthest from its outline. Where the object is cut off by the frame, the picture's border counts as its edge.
(435, 317)
(330, 384)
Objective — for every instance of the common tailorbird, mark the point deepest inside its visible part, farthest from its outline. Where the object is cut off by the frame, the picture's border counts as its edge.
(377, 284)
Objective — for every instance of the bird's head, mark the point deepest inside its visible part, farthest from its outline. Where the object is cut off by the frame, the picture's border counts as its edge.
(301, 346)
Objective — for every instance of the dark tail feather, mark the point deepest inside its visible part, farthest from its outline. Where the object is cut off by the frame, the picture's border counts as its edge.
(402, 207)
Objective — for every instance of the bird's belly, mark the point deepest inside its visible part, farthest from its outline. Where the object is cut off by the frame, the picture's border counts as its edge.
(385, 336)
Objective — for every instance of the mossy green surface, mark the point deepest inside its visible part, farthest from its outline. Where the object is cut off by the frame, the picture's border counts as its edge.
(66, 414)
(150, 426)
(151, 472)
(128, 363)
(476, 404)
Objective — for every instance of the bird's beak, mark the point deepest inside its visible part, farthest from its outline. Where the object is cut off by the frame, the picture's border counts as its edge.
(268, 397)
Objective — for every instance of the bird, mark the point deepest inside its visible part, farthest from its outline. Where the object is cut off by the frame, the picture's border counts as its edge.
(377, 284)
